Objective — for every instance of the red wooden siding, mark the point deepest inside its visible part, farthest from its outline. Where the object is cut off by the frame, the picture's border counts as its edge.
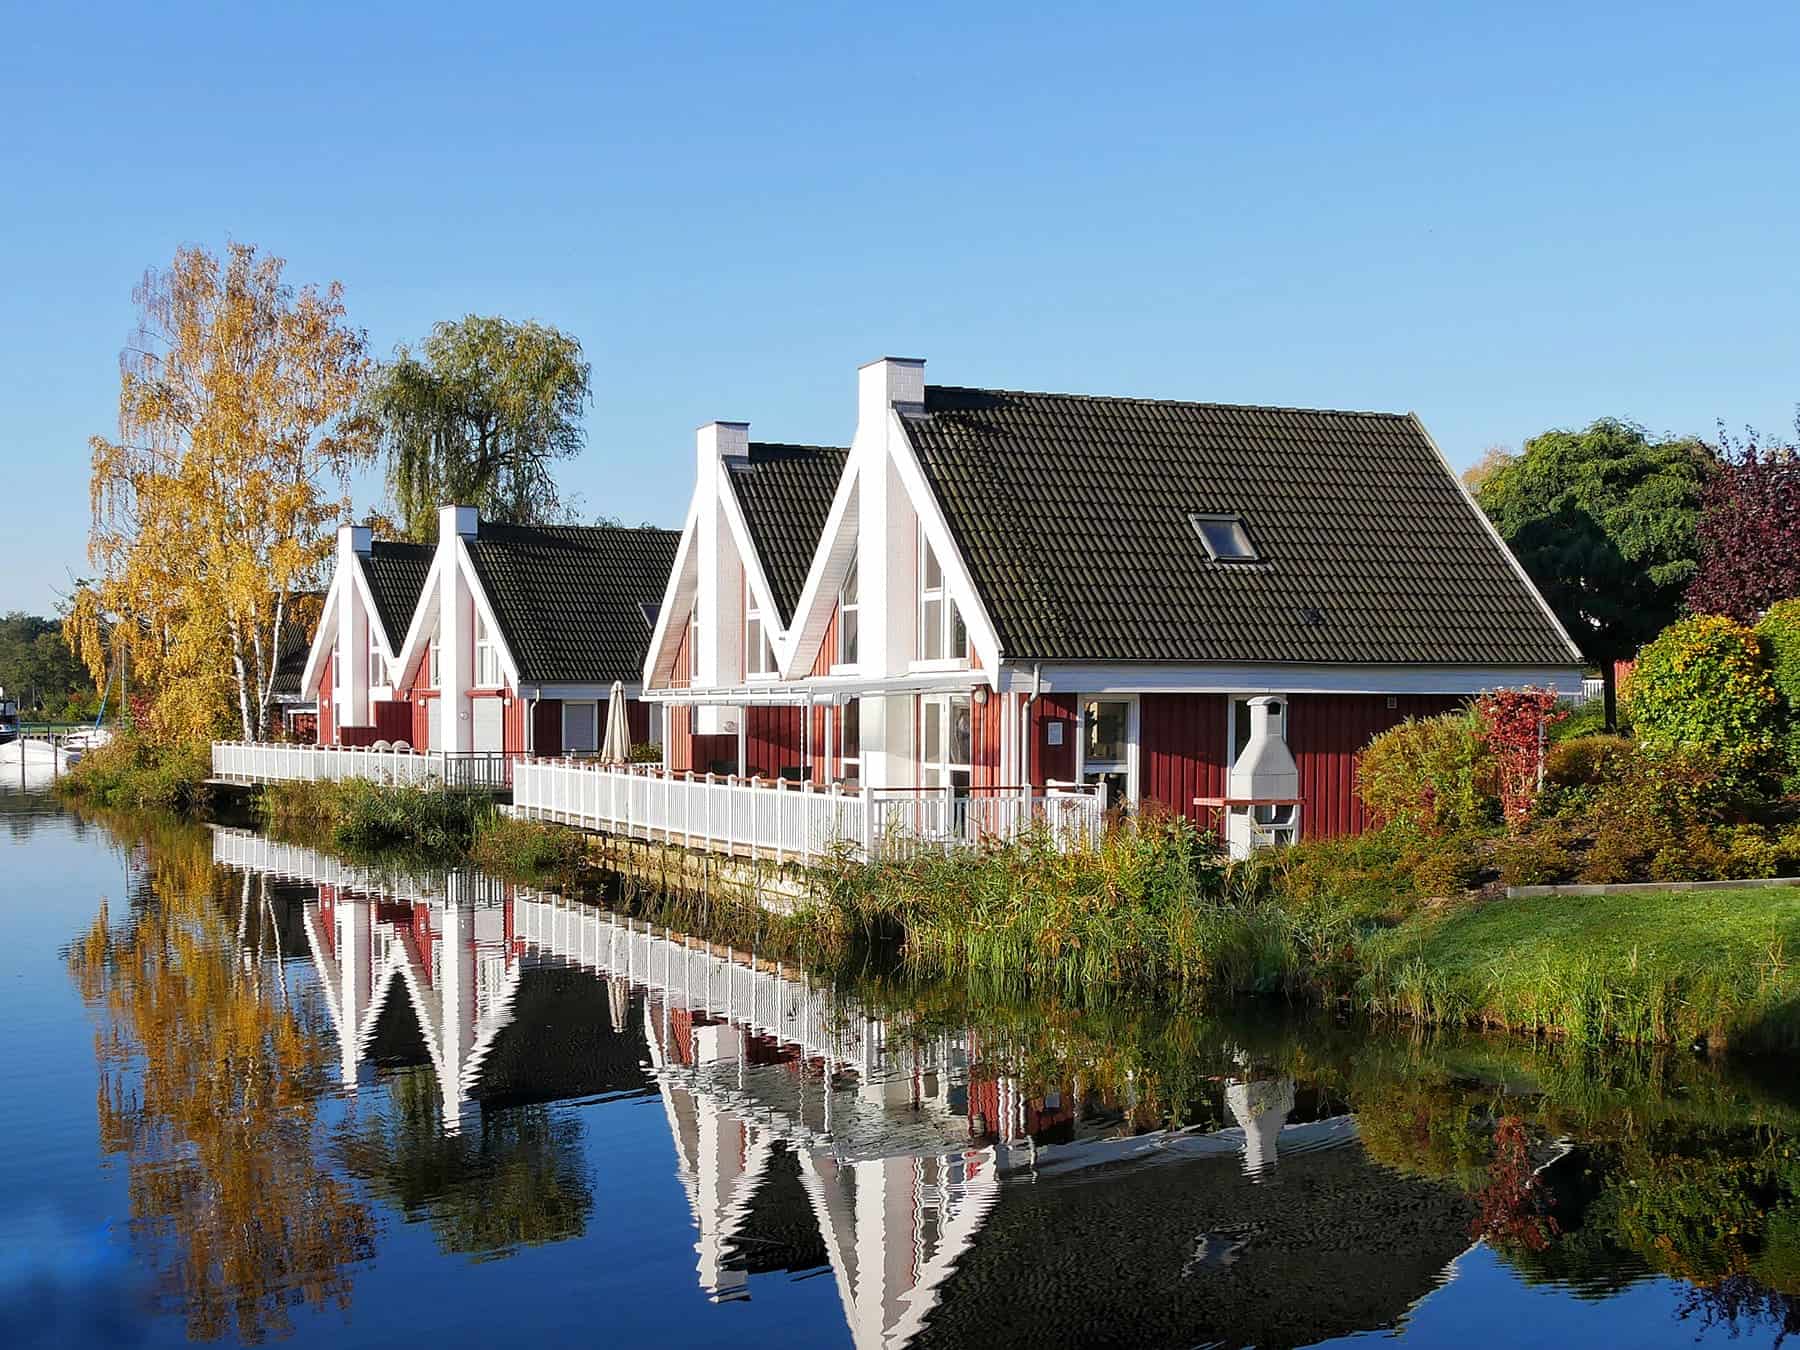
(327, 710)
(1181, 751)
(1052, 761)
(772, 740)
(710, 751)
(827, 652)
(393, 720)
(678, 754)
(1326, 732)
(546, 727)
(984, 742)
(637, 720)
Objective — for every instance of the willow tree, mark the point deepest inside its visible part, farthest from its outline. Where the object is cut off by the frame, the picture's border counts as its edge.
(238, 433)
(477, 416)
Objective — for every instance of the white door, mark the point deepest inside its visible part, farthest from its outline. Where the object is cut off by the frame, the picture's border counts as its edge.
(434, 724)
(490, 726)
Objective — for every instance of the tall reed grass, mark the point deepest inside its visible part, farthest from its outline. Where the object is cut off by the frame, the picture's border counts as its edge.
(1151, 907)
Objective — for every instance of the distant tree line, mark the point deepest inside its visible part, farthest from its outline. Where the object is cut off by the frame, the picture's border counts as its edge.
(1625, 532)
(38, 669)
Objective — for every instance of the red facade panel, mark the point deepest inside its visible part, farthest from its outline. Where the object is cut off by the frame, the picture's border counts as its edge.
(1182, 752)
(393, 720)
(637, 720)
(1326, 733)
(772, 740)
(546, 727)
(1052, 761)
(327, 711)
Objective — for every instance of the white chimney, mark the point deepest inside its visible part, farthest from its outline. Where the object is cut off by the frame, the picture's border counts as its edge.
(354, 539)
(1265, 771)
(891, 382)
(458, 520)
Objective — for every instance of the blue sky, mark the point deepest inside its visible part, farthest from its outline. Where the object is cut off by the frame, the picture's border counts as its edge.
(1506, 221)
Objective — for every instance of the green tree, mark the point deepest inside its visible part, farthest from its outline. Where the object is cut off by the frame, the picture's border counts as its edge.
(1604, 520)
(36, 665)
(477, 416)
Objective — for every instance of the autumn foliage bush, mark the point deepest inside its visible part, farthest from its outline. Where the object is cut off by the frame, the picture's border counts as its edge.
(1426, 774)
(1514, 723)
(1780, 631)
(1704, 685)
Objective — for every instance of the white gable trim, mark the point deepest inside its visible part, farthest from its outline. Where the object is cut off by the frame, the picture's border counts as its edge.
(1499, 543)
(373, 612)
(431, 600)
(957, 579)
(659, 659)
(508, 666)
(754, 572)
(812, 612)
(324, 639)
(413, 648)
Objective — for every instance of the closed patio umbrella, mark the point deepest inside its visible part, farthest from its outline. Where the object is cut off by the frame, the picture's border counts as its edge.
(616, 749)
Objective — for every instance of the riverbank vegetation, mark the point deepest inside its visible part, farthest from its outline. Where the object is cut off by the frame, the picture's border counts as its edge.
(133, 772)
(435, 828)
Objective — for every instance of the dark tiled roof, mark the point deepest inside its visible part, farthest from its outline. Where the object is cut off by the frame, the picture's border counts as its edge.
(295, 643)
(786, 493)
(571, 599)
(1073, 513)
(396, 574)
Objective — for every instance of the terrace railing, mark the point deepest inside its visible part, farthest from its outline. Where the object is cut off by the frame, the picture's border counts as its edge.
(780, 820)
(259, 762)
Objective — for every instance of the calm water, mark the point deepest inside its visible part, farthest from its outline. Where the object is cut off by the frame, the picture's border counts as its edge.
(256, 1095)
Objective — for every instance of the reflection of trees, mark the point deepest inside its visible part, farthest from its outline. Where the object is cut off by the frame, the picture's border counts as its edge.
(209, 1087)
(517, 1180)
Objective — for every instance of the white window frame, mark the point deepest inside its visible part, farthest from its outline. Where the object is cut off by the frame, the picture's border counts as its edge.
(377, 665)
(1129, 765)
(487, 653)
(848, 655)
(759, 650)
(693, 638)
(848, 766)
(940, 771)
(433, 674)
(948, 615)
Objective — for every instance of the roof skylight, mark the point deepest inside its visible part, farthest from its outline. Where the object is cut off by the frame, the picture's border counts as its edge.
(1225, 537)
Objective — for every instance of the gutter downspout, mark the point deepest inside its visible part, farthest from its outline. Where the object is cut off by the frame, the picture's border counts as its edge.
(1025, 730)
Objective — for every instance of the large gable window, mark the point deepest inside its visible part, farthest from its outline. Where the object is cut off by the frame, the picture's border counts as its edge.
(377, 667)
(487, 657)
(849, 618)
(760, 651)
(1224, 536)
(433, 679)
(942, 633)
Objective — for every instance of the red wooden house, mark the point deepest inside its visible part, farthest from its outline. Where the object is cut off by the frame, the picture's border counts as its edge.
(1008, 588)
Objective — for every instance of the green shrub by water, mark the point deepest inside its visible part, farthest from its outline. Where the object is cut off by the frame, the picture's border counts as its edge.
(132, 773)
(363, 817)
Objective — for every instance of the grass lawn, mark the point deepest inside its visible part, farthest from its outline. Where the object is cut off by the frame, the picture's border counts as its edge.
(1680, 966)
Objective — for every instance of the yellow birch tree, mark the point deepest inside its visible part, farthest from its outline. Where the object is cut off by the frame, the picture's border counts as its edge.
(237, 438)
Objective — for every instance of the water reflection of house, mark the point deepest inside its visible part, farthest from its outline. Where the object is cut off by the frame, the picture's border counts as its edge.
(812, 1134)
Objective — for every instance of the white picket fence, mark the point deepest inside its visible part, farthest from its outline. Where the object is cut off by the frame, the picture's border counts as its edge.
(257, 762)
(799, 822)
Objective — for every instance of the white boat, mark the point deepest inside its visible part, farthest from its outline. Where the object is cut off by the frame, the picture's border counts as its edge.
(9, 718)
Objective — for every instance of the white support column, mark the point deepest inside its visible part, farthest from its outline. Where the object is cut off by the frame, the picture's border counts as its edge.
(456, 628)
(887, 564)
(718, 590)
(350, 676)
